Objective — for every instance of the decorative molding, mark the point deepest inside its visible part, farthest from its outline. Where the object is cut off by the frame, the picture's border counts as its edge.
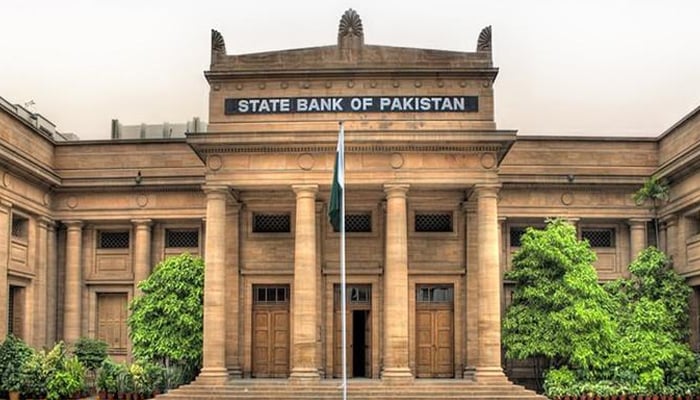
(369, 148)
(484, 42)
(350, 25)
(217, 42)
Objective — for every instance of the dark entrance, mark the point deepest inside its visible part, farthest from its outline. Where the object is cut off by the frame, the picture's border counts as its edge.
(359, 333)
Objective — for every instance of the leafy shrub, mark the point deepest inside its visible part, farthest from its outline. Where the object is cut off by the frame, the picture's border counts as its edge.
(13, 354)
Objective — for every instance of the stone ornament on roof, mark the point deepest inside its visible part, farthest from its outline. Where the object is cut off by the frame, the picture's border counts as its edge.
(484, 42)
(350, 31)
(218, 46)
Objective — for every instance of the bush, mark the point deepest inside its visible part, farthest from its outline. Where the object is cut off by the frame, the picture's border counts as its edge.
(107, 376)
(14, 353)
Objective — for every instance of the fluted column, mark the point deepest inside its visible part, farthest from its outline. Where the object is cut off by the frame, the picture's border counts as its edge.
(305, 311)
(5, 208)
(396, 285)
(214, 346)
(489, 365)
(142, 252)
(638, 236)
(73, 285)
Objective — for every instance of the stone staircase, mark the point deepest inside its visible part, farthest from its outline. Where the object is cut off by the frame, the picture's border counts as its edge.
(282, 389)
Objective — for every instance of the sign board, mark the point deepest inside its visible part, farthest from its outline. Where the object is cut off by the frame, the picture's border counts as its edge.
(284, 105)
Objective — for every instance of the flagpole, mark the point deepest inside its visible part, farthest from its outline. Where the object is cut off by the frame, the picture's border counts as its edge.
(343, 301)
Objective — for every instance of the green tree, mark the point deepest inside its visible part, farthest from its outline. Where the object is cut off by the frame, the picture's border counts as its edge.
(658, 192)
(560, 315)
(166, 322)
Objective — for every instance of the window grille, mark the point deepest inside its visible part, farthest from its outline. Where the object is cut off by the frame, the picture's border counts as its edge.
(182, 238)
(114, 240)
(20, 227)
(433, 222)
(271, 294)
(434, 294)
(599, 237)
(357, 223)
(359, 294)
(516, 234)
(271, 223)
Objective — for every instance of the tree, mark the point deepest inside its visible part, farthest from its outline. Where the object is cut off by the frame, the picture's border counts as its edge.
(657, 191)
(166, 322)
(559, 315)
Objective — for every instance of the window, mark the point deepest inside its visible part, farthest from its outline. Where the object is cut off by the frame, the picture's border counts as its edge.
(516, 234)
(15, 312)
(434, 294)
(599, 237)
(433, 222)
(271, 294)
(182, 238)
(113, 240)
(360, 222)
(271, 223)
(20, 227)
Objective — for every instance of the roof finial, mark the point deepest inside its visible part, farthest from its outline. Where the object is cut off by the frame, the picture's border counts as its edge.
(484, 42)
(350, 31)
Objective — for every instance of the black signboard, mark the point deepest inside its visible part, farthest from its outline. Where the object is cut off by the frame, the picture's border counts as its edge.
(282, 105)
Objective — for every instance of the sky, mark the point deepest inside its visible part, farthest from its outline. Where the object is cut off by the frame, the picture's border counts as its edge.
(591, 68)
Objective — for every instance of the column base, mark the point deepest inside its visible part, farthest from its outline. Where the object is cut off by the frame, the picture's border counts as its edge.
(469, 374)
(301, 375)
(235, 372)
(212, 376)
(490, 375)
(397, 374)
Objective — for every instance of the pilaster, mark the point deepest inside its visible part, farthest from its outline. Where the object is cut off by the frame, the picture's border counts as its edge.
(305, 312)
(5, 221)
(395, 348)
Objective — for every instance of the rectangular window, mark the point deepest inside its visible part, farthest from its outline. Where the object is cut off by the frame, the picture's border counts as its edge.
(272, 223)
(516, 234)
(359, 222)
(271, 294)
(113, 240)
(435, 294)
(20, 227)
(188, 238)
(433, 222)
(599, 237)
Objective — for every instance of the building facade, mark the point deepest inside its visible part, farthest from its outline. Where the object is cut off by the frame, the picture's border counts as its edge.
(437, 198)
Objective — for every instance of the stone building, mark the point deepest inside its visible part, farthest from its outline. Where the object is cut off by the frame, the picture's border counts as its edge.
(437, 198)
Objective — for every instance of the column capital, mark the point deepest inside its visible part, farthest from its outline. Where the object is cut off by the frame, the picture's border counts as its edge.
(5, 205)
(73, 224)
(305, 190)
(216, 190)
(46, 222)
(141, 223)
(487, 189)
(637, 222)
(670, 220)
(396, 189)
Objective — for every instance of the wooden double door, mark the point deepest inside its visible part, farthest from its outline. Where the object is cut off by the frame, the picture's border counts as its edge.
(434, 331)
(358, 332)
(270, 331)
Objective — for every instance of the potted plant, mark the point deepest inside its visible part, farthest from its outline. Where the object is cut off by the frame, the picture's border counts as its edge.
(107, 379)
(35, 376)
(13, 354)
(125, 383)
(67, 381)
(91, 353)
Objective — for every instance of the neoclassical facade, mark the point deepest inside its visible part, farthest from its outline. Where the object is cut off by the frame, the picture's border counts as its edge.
(437, 198)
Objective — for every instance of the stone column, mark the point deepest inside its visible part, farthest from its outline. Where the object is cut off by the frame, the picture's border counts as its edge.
(73, 295)
(672, 244)
(142, 252)
(214, 346)
(489, 365)
(396, 285)
(41, 285)
(305, 311)
(638, 236)
(5, 222)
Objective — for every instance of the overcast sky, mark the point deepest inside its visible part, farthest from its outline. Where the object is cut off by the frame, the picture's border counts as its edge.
(594, 67)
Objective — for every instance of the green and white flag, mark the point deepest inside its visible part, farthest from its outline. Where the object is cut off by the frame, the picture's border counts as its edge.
(336, 203)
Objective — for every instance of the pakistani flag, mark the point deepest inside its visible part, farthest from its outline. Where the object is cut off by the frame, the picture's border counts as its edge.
(336, 203)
